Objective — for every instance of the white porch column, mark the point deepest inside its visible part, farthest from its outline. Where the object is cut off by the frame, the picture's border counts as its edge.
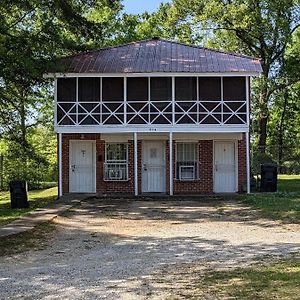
(171, 162)
(135, 146)
(248, 161)
(60, 164)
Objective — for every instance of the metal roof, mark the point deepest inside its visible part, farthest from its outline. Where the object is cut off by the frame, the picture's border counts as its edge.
(158, 55)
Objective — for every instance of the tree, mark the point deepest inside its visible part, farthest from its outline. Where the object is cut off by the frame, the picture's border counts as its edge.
(33, 34)
(261, 28)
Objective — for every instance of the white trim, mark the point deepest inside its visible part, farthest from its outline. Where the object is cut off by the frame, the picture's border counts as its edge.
(247, 100)
(248, 162)
(154, 74)
(171, 162)
(60, 164)
(173, 100)
(135, 146)
(152, 129)
(55, 102)
(222, 100)
(77, 100)
(185, 137)
(125, 100)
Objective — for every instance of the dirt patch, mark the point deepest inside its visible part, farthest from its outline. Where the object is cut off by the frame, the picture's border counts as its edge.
(144, 250)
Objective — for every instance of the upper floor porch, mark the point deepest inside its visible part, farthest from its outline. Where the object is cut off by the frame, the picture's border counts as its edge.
(156, 102)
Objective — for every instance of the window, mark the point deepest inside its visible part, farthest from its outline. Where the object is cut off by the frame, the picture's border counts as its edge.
(186, 161)
(116, 164)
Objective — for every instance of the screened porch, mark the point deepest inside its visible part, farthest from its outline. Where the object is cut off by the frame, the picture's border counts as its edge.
(151, 102)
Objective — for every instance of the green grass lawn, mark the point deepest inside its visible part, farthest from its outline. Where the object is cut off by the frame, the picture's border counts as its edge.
(279, 280)
(283, 205)
(37, 199)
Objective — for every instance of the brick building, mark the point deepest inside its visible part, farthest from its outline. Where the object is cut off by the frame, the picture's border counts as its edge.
(154, 117)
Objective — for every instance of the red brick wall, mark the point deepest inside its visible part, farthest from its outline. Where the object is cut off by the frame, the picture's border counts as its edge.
(242, 164)
(203, 185)
(205, 182)
(101, 185)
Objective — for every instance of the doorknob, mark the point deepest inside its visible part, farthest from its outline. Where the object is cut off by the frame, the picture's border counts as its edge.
(73, 167)
(145, 167)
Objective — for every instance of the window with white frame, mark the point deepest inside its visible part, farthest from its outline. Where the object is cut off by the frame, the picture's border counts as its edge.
(186, 161)
(116, 162)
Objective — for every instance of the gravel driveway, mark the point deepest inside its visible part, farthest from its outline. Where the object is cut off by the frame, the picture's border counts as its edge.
(142, 249)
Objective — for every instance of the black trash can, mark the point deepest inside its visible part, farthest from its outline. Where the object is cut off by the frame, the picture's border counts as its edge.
(268, 181)
(18, 194)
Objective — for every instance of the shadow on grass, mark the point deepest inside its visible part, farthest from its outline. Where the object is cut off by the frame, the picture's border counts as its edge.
(37, 239)
(274, 281)
(37, 199)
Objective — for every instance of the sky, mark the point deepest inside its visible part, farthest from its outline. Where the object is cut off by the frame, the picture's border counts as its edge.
(139, 6)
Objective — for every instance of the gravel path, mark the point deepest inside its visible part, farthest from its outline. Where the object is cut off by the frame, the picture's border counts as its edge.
(114, 249)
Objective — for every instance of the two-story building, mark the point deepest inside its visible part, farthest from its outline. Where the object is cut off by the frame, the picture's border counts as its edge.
(154, 117)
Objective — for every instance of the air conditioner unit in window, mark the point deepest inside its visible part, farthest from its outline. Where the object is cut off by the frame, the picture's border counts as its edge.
(187, 172)
(115, 174)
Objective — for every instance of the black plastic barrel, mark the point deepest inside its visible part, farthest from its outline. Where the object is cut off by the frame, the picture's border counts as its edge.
(18, 194)
(268, 182)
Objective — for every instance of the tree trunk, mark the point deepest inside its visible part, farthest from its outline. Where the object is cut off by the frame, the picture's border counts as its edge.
(1, 172)
(281, 132)
(263, 112)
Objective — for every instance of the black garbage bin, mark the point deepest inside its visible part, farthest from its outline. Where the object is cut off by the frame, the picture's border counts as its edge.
(18, 194)
(268, 182)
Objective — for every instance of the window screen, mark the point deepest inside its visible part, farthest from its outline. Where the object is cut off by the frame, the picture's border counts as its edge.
(185, 88)
(186, 161)
(210, 88)
(161, 88)
(89, 89)
(66, 89)
(116, 162)
(137, 89)
(234, 88)
(112, 89)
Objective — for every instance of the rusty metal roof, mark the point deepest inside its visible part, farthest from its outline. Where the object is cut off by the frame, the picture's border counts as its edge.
(158, 55)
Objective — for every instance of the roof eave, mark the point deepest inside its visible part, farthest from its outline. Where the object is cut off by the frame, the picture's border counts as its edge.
(158, 74)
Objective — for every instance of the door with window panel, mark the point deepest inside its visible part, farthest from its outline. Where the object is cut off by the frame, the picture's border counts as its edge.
(154, 167)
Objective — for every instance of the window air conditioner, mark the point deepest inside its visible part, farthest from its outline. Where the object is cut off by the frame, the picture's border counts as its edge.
(115, 174)
(187, 172)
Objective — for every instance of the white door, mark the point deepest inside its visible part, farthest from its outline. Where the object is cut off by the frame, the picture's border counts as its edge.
(153, 167)
(82, 167)
(225, 168)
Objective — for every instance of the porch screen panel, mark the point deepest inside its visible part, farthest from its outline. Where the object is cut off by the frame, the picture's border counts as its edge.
(160, 109)
(234, 89)
(112, 100)
(186, 100)
(210, 107)
(66, 101)
(137, 100)
(89, 111)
